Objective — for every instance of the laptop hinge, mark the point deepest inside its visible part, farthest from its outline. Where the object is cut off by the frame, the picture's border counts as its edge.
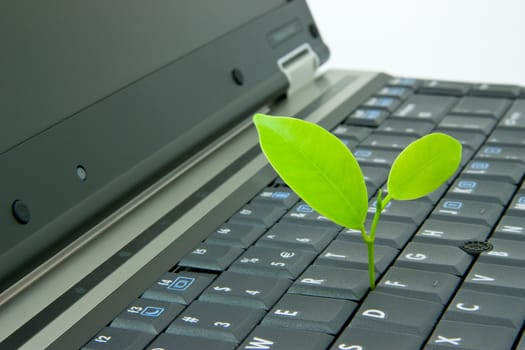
(299, 66)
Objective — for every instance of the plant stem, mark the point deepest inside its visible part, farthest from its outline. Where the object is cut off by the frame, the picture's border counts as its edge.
(371, 265)
(370, 239)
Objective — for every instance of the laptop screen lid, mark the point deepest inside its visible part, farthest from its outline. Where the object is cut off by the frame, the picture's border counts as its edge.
(99, 100)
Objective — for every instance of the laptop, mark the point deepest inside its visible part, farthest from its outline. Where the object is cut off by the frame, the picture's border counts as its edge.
(138, 212)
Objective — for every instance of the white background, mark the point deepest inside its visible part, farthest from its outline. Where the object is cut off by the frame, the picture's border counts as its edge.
(470, 40)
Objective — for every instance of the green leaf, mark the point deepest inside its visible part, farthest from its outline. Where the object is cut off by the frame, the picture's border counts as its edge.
(423, 166)
(317, 166)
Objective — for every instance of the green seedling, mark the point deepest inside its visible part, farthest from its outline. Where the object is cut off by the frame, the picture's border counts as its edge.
(325, 174)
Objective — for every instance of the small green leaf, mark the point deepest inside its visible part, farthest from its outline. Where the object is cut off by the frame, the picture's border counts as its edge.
(423, 166)
(317, 166)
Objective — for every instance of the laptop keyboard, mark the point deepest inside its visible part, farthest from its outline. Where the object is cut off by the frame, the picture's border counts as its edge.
(450, 266)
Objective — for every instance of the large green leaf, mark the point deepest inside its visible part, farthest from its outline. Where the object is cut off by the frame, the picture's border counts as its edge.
(423, 166)
(317, 166)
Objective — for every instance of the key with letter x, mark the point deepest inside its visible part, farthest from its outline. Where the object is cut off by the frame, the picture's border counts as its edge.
(459, 335)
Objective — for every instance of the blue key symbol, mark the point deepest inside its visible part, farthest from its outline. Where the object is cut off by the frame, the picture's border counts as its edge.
(280, 195)
(303, 208)
(480, 165)
(372, 114)
(452, 205)
(492, 150)
(385, 102)
(467, 185)
(152, 311)
(364, 153)
(181, 283)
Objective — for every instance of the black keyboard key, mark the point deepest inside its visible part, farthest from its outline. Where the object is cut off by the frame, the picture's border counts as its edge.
(234, 288)
(502, 153)
(405, 127)
(370, 117)
(390, 233)
(444, 88)
(490, 169)
(375, 176)
(506, 137)
(289, 236)
(510, 227)
(236, 235)
(230, 323)
(482, 125)
(482, 106)
(450, 232)
(473, 212)
(360, 339)
(397, 314)
(183, 342)
(179, 288)
(332, 282)
(505, 252)
(433, 257)
(148, 316)
(357, 133)
(310, 313)
(413, 212)
(425, 107)
(515, 117)
(264, 261)
(394, 91)
(469, 336)
(499, 279)
(212, 257)
(494, 90)
(486, 308)
(303, 214)
(480, 190)
(418, 284)
(404, 82)
(467, 139)
(111, 338)
(282, 197)
(388, 141)
(374, 156)
(354, 255)
(257, 214)
(273, 338)
(385, 103)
